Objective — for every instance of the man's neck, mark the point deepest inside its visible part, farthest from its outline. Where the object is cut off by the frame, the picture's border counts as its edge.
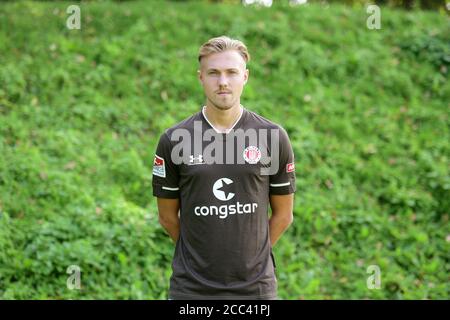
(223, 120)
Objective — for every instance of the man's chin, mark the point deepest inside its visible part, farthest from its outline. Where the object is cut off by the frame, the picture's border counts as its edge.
(222, 106)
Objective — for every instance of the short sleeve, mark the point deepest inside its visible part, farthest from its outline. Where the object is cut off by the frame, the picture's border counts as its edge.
(165, 172)
(283, 181)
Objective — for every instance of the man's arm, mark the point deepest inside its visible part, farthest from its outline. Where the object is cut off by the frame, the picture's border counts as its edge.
(168, 216)
(282, 216)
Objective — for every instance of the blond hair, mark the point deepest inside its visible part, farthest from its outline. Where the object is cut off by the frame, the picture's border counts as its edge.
(223, 43)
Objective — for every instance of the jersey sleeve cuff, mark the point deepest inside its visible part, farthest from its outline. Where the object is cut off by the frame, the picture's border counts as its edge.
(281, 188)
(166, 192)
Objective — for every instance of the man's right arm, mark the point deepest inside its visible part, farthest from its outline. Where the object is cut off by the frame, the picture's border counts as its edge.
(168, 216)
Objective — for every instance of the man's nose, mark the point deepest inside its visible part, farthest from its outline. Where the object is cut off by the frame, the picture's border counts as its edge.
(223, 80)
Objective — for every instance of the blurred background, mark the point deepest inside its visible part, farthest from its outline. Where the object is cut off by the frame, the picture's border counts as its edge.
(363, 93)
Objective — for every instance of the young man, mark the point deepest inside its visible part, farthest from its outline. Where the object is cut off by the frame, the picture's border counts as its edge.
(214, 175)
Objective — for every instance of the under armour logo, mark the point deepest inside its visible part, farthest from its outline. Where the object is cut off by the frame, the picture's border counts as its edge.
(196, 160)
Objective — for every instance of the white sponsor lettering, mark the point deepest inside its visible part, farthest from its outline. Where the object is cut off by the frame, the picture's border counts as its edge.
(225, 210)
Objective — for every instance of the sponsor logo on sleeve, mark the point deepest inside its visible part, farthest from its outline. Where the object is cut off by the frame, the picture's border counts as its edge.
(290, 167)
(159, 168)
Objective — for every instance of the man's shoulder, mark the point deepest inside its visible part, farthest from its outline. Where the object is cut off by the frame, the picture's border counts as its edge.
(253, 119)
(259, 121)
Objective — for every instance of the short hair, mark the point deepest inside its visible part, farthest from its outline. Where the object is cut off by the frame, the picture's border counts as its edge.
(223, 43)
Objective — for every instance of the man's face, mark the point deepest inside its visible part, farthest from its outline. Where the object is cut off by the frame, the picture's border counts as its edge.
(223, 76)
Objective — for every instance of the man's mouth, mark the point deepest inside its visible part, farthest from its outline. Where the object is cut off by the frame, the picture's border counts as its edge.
(223, 92)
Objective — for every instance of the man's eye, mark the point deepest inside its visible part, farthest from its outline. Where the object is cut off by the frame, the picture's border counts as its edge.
(212, 72)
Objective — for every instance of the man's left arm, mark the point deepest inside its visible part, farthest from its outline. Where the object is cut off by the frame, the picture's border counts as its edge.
(282, 215)
(282, 189)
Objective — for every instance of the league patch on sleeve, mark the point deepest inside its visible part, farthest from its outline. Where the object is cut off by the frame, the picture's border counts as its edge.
(159, 168)
(290, 167)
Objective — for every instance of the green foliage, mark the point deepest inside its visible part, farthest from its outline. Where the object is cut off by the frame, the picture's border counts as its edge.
(430, 48)
(81, 112)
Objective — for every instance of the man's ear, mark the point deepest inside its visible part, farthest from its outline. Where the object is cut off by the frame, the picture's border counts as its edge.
(199, 76)
(246, 75)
